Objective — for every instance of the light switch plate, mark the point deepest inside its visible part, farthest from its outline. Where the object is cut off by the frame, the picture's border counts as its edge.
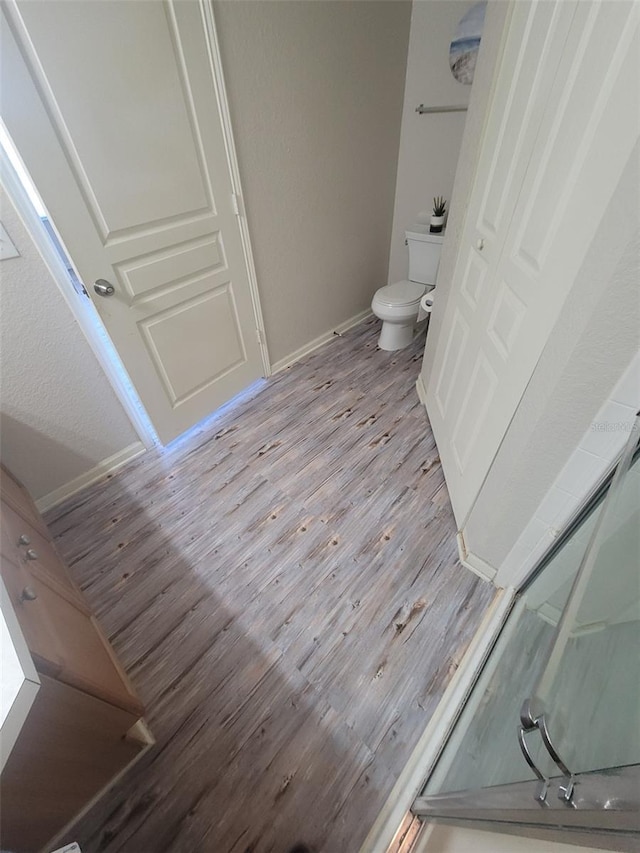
(7, 249)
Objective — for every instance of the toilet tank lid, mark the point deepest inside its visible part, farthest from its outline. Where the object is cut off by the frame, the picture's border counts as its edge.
(422, 233)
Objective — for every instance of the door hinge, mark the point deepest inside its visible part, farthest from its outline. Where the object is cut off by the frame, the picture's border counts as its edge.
(235, 201)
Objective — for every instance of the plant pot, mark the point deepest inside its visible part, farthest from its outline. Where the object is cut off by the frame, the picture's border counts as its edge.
(437, 224)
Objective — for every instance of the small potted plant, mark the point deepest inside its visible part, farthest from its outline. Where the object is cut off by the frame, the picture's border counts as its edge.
(437, 217)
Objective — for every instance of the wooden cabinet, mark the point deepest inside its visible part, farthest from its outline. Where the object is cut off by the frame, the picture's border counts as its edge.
(79, 732)
(70, 747)
(23, 541)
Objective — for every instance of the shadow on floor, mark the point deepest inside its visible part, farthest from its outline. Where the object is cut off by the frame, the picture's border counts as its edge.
(283, 589)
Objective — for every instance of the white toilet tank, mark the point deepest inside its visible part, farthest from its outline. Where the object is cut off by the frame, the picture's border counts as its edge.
(424, 254)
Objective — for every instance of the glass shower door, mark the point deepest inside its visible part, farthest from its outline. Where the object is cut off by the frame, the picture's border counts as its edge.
(552, 734)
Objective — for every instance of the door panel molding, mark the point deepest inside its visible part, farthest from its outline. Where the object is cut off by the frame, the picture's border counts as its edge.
(137, 274)
(169, 369)
(530, 64)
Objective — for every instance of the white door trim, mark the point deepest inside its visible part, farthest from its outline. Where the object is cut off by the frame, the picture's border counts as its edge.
(81, 307)
(213, 44)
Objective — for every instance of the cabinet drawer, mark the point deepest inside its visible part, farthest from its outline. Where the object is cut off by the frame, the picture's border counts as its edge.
(39, 634)
(22, 543)
(14, 494)
(63, 637)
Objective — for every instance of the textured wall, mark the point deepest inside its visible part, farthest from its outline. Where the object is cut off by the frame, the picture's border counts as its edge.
(429, 144)
(59, 415)
(316, 91)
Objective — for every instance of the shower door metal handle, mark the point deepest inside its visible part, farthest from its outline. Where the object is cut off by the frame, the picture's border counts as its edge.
(565, 791)
(528, 723)
(542, 789)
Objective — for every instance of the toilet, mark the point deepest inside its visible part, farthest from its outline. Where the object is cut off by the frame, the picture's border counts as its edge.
(397, 304)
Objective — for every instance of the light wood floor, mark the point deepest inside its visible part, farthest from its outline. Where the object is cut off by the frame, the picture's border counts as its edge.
(283, 588)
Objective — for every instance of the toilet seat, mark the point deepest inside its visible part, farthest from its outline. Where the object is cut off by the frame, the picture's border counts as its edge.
(400, 293)
(398, 304)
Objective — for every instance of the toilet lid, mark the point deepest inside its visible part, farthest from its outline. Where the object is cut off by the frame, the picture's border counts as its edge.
(401, 293)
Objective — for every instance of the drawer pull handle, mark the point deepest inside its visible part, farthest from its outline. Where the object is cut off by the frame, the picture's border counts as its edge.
(30, 554)
(24, 539)
(28, 594)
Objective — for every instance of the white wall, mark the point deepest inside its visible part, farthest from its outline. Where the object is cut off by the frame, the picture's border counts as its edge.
(59, 416)
(592, 458)
(429, 144)
(316, 91)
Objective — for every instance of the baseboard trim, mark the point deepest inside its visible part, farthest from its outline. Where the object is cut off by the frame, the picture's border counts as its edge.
(422, 391)
(474, 563)
(138, 732)
(469, 561)
(427, 751)
(288, 360)
(102, 469)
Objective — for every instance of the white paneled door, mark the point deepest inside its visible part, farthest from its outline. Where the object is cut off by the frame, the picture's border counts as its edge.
(563, 123)
(113, 108)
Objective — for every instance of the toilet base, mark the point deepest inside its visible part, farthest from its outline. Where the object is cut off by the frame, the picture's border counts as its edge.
(395, 336)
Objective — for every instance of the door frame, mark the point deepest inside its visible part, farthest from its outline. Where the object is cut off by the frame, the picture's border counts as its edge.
(213, 43)
(83, 309)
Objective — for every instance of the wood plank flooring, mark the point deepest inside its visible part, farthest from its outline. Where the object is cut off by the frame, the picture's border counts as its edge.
(282, 586)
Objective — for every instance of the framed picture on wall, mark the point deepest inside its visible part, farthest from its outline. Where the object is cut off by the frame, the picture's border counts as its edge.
(463, 51)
